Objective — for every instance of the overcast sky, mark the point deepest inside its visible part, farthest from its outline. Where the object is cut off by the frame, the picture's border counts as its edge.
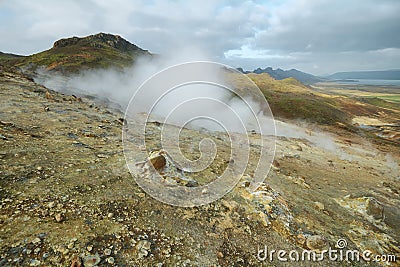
(315, 36)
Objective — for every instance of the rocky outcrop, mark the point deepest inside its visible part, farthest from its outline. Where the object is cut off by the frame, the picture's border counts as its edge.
(100, 40)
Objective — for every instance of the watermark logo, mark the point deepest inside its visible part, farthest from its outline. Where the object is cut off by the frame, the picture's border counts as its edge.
(341, 243)
(339, 254)
(213, 99)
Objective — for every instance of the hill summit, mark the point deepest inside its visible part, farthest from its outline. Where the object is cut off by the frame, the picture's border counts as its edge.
(100, 40)
(71, 55)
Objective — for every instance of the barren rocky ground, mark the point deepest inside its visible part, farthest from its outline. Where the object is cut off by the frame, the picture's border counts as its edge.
(68, 199)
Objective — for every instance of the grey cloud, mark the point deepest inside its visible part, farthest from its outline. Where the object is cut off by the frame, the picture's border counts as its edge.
(212, 25)
(306, 34)
(332, 26)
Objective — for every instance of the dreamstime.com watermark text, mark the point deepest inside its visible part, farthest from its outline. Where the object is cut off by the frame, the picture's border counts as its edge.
(340, 253)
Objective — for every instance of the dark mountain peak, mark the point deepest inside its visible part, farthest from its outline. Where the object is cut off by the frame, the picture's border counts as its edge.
(241, 70)
(258, 71)
(100, 40)
(294, 71)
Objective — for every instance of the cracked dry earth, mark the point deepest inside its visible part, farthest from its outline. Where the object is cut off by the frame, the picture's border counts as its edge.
(68, 199)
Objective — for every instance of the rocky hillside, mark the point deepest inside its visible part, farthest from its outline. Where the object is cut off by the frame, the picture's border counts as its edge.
(101, 40)
(67, 198)
(75, 54)
(289, 99)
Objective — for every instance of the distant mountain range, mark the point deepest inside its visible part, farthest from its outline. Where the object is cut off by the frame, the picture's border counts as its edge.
(280, 74)
(371, 75)
(307, 78)
(103, 50)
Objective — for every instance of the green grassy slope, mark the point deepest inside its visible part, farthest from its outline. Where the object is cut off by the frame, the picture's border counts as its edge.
(6, 56)
(291, 99)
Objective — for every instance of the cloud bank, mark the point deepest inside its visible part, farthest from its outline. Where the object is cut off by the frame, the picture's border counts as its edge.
(315, 36)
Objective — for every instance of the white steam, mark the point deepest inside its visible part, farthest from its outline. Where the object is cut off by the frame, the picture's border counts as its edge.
(318, 138)
(391, 163)
(117, 86)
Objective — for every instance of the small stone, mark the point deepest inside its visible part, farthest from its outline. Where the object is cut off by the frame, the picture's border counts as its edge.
(59, 217)
(158, 162)
(89, 248)
(246, 184)
(51, 204)
(374, 208)
(39, 168)
(36, 241)
(76, 262)
(191, 183)
(70, 245)
(219, 254)
(107, 252)
(297, 147)
(301, 239)
(37, 250)
(319, 205)
(276, 164)
(110, 215)
(316, 242)
(34, 262)
(64, 251)
(143, 248)
(110, 260)
(171, 182)
(91, 260)
(146, 244)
